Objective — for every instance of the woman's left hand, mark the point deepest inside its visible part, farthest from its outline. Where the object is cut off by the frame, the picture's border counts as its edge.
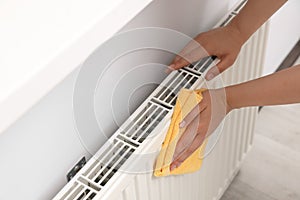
(200, 123)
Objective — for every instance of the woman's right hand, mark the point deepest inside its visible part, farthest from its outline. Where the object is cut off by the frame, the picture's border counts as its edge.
(201, 122)
(224, 42)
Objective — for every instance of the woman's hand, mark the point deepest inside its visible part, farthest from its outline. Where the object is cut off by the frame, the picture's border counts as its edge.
(200, 123)
(224, 42)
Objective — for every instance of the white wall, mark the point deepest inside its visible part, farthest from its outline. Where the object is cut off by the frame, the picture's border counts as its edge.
(284, 33)
(39, 149)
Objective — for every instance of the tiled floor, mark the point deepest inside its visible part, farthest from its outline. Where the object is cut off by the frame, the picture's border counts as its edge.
(271, 170)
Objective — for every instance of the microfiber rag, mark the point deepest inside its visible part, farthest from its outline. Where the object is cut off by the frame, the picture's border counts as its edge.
(186, 101)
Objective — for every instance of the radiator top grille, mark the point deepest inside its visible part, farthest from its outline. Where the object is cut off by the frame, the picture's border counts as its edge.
(90, 180)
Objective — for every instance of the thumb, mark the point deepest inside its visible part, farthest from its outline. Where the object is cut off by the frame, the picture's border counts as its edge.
(189, 58)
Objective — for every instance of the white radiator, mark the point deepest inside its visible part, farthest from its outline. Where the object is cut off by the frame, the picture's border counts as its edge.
(122, 168)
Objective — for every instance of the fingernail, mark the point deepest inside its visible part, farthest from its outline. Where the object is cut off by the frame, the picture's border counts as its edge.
(182, 124)
(167, 71)
(209, 76)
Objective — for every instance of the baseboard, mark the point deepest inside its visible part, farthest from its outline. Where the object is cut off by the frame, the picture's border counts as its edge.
(290, 58)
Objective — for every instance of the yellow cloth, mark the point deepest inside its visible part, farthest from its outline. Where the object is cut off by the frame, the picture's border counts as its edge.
(186, 101)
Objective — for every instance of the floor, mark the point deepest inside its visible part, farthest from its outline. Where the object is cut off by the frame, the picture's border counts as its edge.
(271, 171)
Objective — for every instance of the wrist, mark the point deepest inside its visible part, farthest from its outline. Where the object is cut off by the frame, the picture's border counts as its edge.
(236, 32)
(229, 99)
(219, 100)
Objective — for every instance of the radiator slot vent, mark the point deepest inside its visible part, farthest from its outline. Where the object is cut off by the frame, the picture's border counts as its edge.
(79, 192)
(148, 118)
(195, 66)
(108, 164)
(200, 66)
(107, 171)
(240, 6)
(207, 64)
(156, 119)
(127, 140)
(89, 184)
(182, 79)
(161, 103)
(227, 20)
(144, 123)
(190, 70)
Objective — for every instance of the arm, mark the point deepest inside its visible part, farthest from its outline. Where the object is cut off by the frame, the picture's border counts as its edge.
(282, 87)
(254, 14)
(279, 88)
(226, 42)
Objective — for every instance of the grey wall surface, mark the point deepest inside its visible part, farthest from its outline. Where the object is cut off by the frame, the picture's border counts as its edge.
(40, 148)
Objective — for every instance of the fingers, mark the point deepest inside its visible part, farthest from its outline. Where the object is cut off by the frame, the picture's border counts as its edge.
(194, 126)
(192, 115)
(188, 48)
(212, 73)
(197, 142)
(187, 137)
(181, 62)
(188, 57)
(224, 63)
(191, 122)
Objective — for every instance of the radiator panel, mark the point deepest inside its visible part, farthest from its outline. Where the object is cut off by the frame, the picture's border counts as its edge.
(220, 167)
(135, 146)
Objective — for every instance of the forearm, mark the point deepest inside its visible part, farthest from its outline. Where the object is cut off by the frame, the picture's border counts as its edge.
(253, 15)
(282, 87)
